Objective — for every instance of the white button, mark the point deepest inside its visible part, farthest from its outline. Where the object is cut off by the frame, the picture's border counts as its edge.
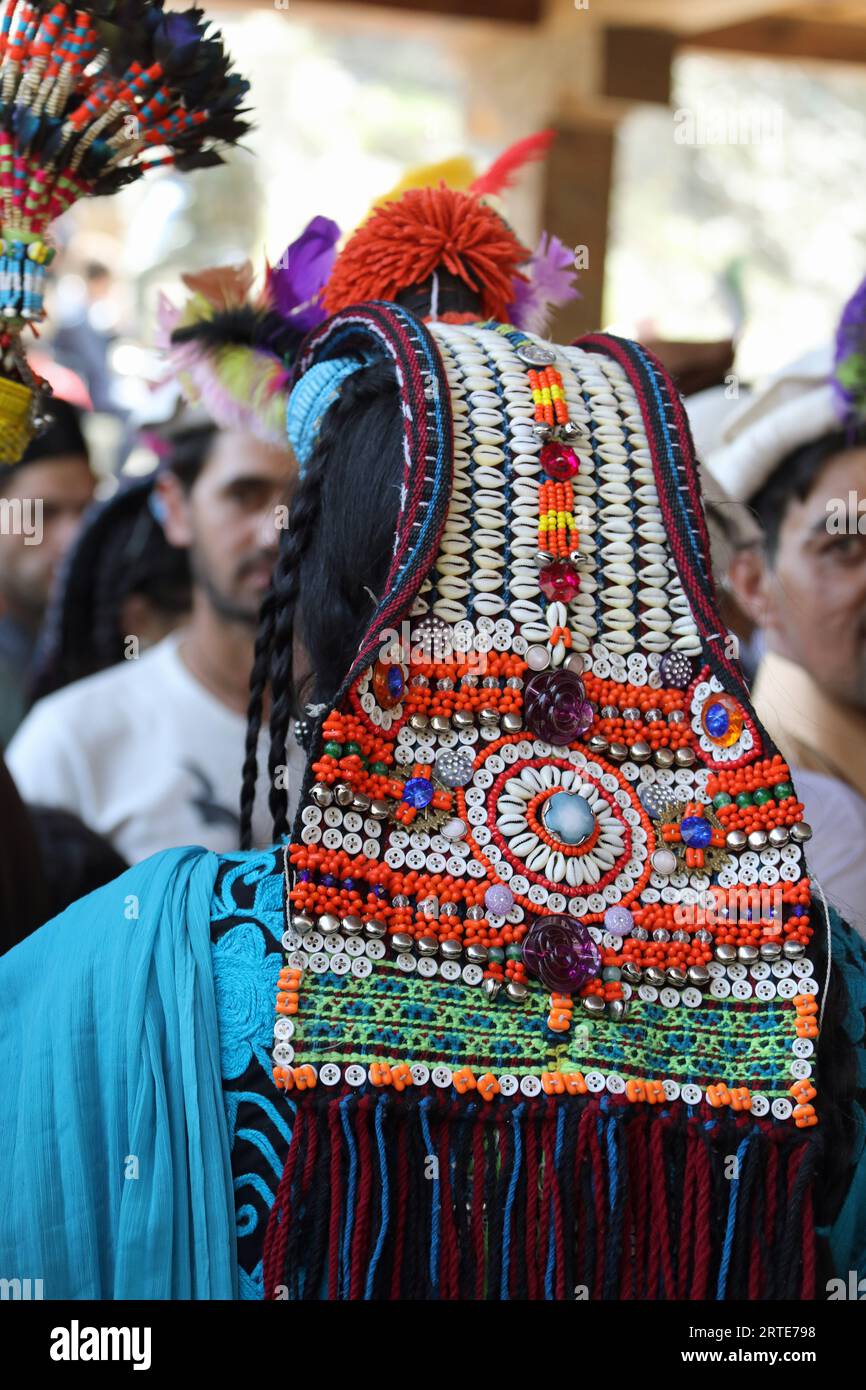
(313, 941)
(290, 940)
(737, 971)
(692, 998)
(741, 989)
(760, 971)
(319, 963)
(427, 968)
(801, 1069)
(374, 949)
(472, 974)
(802, 967)
(786, 989)
(362, 967)
(760, 1105)
(508, 1085)
(530, 1085)
(356, 1076)
(329, 1074)
(781, 969)
(808, 986)
(615, 1084)
(669, 998)
(284, 1053)
(420, 1074)
(782, 1109)
(298, 960)
(354, 946)
(441, 1077)
(802, 1047)
(765, 989)
(406, 962)
(340, 964)
(594, 1081)
(449, 970)
(284, 1028)
(671, 1089)
(692, 1095)
(332, 945)
(648, 993)
(720, 989)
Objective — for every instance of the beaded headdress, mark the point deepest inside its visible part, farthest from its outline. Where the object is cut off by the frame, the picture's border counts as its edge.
(91, 98)
(549, 967)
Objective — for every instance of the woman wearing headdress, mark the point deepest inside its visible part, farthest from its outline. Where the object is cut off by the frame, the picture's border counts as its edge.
(524, 977)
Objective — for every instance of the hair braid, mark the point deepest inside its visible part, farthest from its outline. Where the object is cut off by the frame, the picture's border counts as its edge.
(303, 522)
(320, 595)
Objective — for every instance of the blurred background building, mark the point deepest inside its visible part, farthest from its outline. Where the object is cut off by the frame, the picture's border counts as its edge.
(707, 170)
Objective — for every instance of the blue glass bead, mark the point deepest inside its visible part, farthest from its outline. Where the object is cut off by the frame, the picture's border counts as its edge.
(395, 682)
(717, 720)
(696, 832)
(329, 881)
(418, 792)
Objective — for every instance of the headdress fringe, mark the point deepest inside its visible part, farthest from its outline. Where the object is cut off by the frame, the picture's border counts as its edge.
(388, 1196)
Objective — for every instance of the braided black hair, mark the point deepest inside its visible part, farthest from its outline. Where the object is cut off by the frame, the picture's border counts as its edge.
(334, 557)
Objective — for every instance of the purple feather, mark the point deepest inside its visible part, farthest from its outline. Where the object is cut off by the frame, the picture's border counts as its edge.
(297, 280)
(550, 284)
(849, 370)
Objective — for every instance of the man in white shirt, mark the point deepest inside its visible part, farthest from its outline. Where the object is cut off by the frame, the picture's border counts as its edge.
(149, 752)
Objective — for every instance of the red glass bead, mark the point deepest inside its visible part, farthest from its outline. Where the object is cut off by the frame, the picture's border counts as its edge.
(559, 581)
(559, 461)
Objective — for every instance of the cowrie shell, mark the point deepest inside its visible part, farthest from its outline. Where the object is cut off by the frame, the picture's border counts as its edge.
(537, 860)
(449, 610)
(486, 581)
(489, 604)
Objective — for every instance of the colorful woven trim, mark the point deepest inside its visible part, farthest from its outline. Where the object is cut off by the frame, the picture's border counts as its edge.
(554, 860)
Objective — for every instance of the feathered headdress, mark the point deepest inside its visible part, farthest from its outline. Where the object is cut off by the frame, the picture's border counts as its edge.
(441, 218)
(233, 349)
(92, 97)
(849, 369)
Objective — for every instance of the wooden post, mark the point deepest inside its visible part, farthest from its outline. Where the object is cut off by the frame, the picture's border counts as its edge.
(575, 208)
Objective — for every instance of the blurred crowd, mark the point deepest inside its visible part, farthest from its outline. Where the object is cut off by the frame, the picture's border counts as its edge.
(129, 607)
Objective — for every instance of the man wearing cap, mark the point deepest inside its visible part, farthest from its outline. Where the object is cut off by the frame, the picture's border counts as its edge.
(795, 453)
(42, 499)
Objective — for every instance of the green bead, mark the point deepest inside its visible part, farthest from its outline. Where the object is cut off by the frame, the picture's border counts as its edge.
(380, 769)
(334, 750)
(496, 953)
(353, 748)
(783, 790)
(514, 953)
(762, 796)
(722, 799)
(744, 799)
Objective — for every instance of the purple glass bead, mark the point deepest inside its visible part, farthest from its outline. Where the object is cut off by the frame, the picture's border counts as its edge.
(418, 792)
(675, 669)
(555, 706)
(328, 881)
(561, 952)
(499, 900)
(618, 921)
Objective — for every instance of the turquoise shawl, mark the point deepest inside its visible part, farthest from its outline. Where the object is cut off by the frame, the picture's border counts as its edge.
(115, 1176)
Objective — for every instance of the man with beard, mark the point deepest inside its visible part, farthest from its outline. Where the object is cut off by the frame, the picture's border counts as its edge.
(42, 499)
(150, 752)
